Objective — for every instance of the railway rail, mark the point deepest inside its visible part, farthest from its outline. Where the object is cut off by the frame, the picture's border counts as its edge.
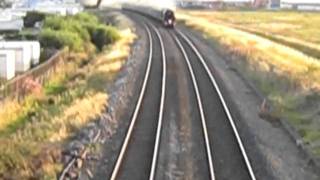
(137, 112)
(138, 158)
(227, 118)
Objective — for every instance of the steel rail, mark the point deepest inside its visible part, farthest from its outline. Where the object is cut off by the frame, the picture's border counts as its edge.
(226, 109)
(136, 111)
(163, 92)
(200, 106)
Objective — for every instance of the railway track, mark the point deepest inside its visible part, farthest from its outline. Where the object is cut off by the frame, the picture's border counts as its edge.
(220, 116)
(147, 111)
(222, 153)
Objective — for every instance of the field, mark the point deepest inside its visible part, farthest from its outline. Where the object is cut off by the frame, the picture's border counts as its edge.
(297, 30)
(303, 26)
(279, 53)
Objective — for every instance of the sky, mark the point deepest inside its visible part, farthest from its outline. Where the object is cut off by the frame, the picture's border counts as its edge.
(291, 1)
(305, 1)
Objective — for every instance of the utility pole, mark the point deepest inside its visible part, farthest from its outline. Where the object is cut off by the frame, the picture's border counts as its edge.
(98, 3)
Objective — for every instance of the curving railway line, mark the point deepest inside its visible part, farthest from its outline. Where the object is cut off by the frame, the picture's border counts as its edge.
(179, 91)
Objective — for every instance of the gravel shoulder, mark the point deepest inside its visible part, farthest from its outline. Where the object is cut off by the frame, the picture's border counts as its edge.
(270, 148)
(124, 95)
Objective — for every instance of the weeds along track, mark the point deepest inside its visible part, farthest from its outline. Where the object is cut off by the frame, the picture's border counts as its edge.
(216, 139)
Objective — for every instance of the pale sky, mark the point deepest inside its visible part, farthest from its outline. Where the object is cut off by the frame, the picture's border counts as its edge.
(301, 1)
(291, 1)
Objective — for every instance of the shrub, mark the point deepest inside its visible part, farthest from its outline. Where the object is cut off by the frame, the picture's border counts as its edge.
(67, 24)
(75, 26)
(54, 22)
(61, 38)
(104, 35)
(75, 30)
(86, 18)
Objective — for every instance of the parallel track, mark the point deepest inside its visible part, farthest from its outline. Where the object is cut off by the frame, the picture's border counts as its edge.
(200, 106)
(193, 65)
(222, 100)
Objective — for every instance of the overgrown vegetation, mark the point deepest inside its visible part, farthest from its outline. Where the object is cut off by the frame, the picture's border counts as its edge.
(76, 31)
(103, 35)
(32, 131)
(289, 78)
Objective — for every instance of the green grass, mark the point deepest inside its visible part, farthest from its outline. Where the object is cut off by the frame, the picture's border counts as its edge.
(311, 136)
(55, 88)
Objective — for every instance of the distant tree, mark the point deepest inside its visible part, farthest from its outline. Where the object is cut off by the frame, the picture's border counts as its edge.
(5, 3)
(99, 2)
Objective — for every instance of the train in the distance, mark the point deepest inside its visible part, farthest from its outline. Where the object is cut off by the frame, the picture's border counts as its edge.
(165, 15)
(168, 18)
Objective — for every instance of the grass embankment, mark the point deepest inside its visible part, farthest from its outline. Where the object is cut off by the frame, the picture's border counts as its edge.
(32, 131)
(289, 78)
(299, 30)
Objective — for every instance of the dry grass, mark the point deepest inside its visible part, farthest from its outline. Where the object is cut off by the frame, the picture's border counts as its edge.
(297, 30)
(10, 111)
(288, 77)
(77, 115)
(298, 25)
(71, 99)
(266, 55)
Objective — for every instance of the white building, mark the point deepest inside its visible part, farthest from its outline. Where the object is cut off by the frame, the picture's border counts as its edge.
(27, 53)
(7, 64)
(10, 22)
(63, 9)
(302, 5)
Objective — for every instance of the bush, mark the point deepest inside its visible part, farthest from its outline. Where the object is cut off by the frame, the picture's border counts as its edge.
(75, 26)
(82, 28)
(67, 24)
(104, 35)
(32, 17)
(86, 18)
(54, 22)
(61, 38)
